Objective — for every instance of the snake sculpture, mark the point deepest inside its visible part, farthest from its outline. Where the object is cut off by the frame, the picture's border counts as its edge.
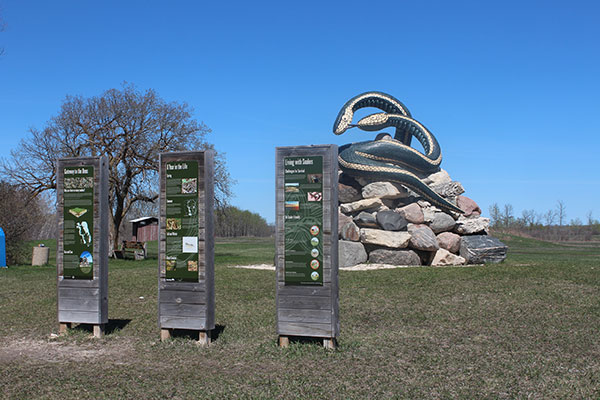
(388, 158)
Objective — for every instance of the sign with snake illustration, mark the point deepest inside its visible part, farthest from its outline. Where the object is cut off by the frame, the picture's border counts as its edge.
(387, 158)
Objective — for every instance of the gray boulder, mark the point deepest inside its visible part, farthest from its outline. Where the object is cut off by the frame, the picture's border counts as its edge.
(442, 222)
(350, 232)
(471, 225)
(391, 220)
(351, 253)
(480, 249)
(348, 194)
(366, 220)
(383, 190)
(394, 257)
(422, 238)
(449, 241)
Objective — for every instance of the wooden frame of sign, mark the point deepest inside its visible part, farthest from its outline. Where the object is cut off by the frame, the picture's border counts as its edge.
(186, 285)
(82, 248)
(306, 242)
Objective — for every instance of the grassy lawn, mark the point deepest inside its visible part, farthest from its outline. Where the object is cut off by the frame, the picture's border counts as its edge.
(528, 327)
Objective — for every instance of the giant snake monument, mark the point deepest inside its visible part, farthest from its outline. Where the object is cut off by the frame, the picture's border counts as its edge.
(397, 205)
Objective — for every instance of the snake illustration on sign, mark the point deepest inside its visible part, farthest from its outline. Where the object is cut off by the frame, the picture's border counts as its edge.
(78, 225)
(388, 158)
(181, 256)
(303, 220)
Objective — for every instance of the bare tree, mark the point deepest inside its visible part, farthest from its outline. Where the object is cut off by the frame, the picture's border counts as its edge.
(507, 215)
(131, 128)
(550, 217)
(20, 218)
(529, 217)
(495, 215)
(561, 212)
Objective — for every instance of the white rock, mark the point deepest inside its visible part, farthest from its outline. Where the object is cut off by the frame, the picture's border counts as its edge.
(438, 178)
(394, 240)
(364, 204)
(444, 257)
(469, 226)
(383, 190)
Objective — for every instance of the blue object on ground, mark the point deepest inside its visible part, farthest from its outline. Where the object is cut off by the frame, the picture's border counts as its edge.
(2, 249)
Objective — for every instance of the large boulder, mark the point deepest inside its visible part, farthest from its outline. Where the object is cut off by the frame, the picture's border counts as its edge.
(412, 212)
(451, 189)
(383, 190)
(359, 205)
(468, 206)
(444, 257)
(343, 219)
(449, 241)
(394, 257)
(366, 220)
(350, 232)
(422, 238)
(471, 225)
(348, 194)
(351, 253)
(479, 249)
(438, 178)
(391, 221)
(396, 240)
(442, 222)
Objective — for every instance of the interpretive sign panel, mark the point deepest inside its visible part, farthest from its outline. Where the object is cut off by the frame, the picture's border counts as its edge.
(82, 248)
(186, 242)
(303, 220)
(307, 241)
(181, 224)
(78, 215)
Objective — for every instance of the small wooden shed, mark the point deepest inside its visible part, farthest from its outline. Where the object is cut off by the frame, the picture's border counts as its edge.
(144, 229)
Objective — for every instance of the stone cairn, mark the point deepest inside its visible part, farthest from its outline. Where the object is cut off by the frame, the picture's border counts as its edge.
(386, 223)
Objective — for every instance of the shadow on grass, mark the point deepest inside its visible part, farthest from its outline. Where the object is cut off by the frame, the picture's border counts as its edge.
(112, 326)
(193, 334)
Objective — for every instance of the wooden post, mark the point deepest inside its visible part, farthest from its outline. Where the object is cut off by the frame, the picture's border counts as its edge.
(165, 334)
(99, 331)
(306, 239)
(186, 294)
(204, 338)
(329, 343)
(63, 328)
(82, 245)
(284, 341)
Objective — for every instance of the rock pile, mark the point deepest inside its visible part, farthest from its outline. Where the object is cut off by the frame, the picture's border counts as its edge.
(383, 222)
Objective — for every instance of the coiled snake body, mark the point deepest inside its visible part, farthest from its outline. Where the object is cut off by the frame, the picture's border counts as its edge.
(387, 158)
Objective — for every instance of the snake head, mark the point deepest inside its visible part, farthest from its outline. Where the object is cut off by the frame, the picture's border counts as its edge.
(373, 122)
(342, 122)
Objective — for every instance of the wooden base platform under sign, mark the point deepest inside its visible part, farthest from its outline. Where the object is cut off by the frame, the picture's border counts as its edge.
(64, 326)
(328, 343)
(204, 337)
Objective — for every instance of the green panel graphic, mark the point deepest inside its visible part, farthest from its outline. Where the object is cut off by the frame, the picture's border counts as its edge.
(303, 220)
(182, 221)
(78, 228)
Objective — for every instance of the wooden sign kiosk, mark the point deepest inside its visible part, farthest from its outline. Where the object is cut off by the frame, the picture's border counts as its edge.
(307, 243)
(82, 248)
(186, 286)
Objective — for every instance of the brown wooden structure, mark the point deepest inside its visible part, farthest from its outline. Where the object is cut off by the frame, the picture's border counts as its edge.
(309, 310)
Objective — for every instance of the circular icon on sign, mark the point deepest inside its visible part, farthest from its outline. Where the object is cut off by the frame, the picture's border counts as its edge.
(314, 230)
(314, 241)
(314, 264)
(314, 252)
(314, 276)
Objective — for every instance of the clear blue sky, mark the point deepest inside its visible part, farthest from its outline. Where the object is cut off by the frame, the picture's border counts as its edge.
(511, 89)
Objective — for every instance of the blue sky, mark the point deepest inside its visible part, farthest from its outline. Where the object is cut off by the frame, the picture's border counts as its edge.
(510, 89)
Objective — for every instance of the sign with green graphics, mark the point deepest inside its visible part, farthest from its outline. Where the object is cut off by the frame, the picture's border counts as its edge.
(303, 220)
(181, 256)
(78, 226)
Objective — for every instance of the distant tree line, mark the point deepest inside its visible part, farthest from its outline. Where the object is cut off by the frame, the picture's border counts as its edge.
(548, 225)
(232, 222)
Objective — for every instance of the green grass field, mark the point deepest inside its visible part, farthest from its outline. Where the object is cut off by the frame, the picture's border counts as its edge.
(526, 328)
